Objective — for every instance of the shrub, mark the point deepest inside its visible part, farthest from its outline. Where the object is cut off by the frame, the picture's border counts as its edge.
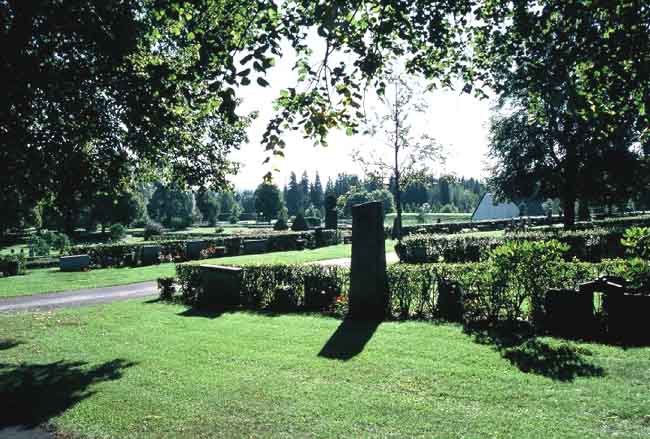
(152, 229)
(312, 221)
(636, 241)
(117, 232)
(586, 245)
(278, 288)
(39, 246)
(523, 269)
(12, 265)
(299, 223)
(179, 223)
(280, 224)
(509, 286)
(166, 288)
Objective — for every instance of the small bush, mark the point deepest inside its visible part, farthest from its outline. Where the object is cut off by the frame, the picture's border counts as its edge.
(299, 223)
(166, 288)
(117, 232)
(12, 265)
(508, 287)
(178, 223)
(39, 246)
(280, 224)
(636, 241)
(586, 245)
(152, 229)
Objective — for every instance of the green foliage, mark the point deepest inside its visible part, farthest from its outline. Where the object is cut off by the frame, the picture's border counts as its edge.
(235, 213)
(283, 220)
(299, 223)
(171, 206)
(268, 201)
(152, 229)
(166, 287)
(509, 286)
(117, 232)
(526, 268)
(280, 224)
(208, 204)
(39, 246)
(12, 265)
(279, 288)
(586, 245)
(636, 241)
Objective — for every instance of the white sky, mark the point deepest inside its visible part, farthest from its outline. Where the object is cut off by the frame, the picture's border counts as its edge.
(458, 121)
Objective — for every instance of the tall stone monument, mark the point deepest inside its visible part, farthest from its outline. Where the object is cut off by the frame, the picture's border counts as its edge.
(368, 282)
(331, 215)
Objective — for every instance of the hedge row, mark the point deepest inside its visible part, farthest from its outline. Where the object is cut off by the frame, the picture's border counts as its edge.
(484, 291)
(584, 245)
(491, 225)
(281, 288)
(116, 255)
(12, 265)
(109, 255)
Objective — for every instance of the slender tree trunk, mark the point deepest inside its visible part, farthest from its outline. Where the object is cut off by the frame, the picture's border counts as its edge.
(397, 225)
(569, 195)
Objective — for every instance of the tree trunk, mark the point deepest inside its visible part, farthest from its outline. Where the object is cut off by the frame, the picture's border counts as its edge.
(583, 211)
(569, 194)
(568, 210)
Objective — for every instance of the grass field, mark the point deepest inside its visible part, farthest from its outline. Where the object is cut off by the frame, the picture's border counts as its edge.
(411, 219)
(139, 369)
(49, 280)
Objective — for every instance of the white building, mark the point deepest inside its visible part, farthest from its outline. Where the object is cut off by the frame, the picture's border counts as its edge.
(489, 209)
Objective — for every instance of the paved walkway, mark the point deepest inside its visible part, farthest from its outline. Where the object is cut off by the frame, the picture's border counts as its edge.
(92, 296)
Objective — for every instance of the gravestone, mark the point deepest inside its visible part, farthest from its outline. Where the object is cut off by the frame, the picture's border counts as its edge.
(150, 254)
(331, 219)
(368, 279)
(221, 286)
(254, 246)
(193, 249)
(74, 263)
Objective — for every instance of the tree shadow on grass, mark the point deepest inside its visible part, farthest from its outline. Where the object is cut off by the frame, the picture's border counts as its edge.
(562, 361)
(35, 393)
(349, 339)
(8, 343)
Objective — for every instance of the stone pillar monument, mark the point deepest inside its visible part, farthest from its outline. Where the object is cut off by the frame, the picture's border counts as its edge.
(331, 215)
(368, 282)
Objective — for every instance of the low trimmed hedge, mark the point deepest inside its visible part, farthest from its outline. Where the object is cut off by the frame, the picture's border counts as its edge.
(471, 292)
(273, 287)
(115, 255)
(12, 265)
(584, 245)
(491, 225)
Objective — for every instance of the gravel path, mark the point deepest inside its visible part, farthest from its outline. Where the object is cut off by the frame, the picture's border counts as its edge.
(92, 296)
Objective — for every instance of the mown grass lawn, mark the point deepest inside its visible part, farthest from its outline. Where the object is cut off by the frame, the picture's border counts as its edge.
(51, 280)
(136, 369)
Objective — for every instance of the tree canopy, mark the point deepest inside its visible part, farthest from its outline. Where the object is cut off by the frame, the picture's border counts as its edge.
(112, 90)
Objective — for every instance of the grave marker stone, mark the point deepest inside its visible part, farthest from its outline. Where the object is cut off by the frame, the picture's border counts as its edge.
(368, 281)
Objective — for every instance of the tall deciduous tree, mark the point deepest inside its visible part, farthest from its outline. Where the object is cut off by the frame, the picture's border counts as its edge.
(101, 91)
(208, 204)
(410, 157)
(268, 201)
(573, 75)
(171, 206)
